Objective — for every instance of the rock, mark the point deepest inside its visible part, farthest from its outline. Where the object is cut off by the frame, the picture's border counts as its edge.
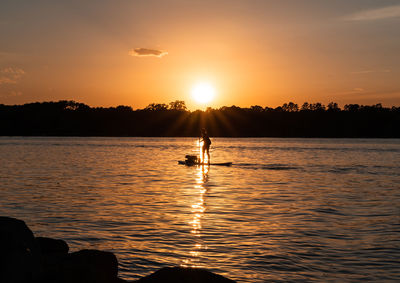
(51, 246)
(88, 266)
(85, 266)
(19, 255)
(184, 275)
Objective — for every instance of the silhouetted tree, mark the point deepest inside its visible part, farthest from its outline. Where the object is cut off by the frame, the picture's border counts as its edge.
(290, 107)
(156, 107)
(351, 107)
(317, 107)
(256, 108)
(305, 106)
(333, 106)
(123, 108)
(177, 105)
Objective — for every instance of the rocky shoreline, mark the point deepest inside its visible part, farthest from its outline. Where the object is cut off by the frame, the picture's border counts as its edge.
(25, 258)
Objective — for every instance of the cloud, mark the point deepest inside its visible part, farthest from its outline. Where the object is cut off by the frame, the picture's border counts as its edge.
(370, 72)
(13, 93)
(11, 75)
(375, 14)
(390, 95)
(353, 91)
(145, 52)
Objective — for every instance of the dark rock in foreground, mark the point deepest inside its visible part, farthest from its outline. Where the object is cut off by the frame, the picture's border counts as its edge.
(51, 246)
(19, 255)
(26, 259)
(84, 266)
(184, 275)
(91, 266)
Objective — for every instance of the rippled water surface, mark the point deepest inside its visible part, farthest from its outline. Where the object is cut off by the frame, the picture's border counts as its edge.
(288, 209)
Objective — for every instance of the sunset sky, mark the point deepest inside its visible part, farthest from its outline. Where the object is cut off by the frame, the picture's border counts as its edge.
(252, 52)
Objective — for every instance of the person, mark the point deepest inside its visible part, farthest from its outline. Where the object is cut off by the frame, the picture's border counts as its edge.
(206, 144)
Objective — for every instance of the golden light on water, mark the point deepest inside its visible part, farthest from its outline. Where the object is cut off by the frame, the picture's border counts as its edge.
(200, 146)
(198, 209)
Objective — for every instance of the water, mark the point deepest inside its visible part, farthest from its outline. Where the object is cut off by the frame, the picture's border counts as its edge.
(288, 209)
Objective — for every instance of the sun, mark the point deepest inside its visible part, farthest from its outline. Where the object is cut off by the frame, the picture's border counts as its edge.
(203, 92)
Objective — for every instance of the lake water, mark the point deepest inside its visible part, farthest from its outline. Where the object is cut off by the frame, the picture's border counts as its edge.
(288, 209)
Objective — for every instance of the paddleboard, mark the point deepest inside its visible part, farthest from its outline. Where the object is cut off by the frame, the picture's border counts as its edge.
(214, 164)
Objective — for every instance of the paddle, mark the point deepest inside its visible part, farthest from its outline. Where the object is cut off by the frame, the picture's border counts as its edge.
(199, 151)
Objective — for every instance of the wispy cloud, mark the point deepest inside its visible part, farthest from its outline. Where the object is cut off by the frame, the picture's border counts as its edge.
(13, 93)
(370, 72)
(145, 52)
(376, 95)
(11, 75)
(353, 91)
(375, 14)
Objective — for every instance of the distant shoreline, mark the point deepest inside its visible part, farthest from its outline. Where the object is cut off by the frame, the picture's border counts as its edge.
(72, 119)
(194, 137)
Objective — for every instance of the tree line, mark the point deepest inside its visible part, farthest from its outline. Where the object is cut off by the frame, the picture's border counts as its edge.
(70, 118)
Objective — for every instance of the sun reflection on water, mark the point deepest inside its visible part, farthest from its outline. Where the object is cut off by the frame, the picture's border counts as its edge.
(198, 209)
(204, 160)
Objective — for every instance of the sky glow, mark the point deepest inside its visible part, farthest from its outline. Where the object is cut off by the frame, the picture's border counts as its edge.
(256, 52)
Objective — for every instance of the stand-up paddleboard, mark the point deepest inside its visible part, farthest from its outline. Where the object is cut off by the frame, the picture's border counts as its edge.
(197, 163)
(192, 160)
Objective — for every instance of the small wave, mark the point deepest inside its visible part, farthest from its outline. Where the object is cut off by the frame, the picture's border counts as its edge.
(267, 166)
(341, 169)
(327, 211)
(357, 169)
(311, 148)
(279, 167)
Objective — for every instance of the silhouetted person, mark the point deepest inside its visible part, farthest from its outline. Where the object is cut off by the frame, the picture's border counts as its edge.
(206, 144)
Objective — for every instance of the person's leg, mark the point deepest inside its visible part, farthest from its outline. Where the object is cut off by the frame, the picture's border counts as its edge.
(208, 154)
(203, 150)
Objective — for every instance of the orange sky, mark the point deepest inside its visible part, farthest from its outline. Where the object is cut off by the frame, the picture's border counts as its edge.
(253, 52)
